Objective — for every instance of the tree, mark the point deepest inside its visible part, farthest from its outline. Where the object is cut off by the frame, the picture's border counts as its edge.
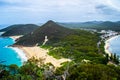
(33, 68)
(13, 69)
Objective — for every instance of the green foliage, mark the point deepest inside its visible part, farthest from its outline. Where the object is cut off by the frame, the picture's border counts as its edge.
(92, 72)
(33, 69)
(102, 49)
(81, 45)
(13, 69)
(46, 46)
(114, 58)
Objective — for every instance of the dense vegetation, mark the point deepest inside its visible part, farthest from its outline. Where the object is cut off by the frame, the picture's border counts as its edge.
(89, 61)
(29, 71)
(99, 25)
(7, 28)
(21, 29)
(93, 72)
(82, 45)
(69, 71)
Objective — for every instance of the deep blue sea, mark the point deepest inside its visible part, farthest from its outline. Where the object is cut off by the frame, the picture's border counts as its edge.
(9, 55)
(115, 45)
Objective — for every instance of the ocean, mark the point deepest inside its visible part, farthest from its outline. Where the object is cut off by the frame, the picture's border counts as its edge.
(114, 45)
(10, 55)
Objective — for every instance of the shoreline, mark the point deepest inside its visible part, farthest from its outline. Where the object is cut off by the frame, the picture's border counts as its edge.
(19, 52)
(15, 37)
(37, 52)
(107, 45)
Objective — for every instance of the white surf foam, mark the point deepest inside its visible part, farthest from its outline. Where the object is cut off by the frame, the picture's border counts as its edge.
(20, 53)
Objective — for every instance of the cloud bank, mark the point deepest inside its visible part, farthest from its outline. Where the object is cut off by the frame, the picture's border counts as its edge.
(36, 11)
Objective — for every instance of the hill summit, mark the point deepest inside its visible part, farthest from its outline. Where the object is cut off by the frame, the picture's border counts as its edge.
(50, 30)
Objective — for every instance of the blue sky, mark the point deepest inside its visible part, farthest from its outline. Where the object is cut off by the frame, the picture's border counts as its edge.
(39, 11)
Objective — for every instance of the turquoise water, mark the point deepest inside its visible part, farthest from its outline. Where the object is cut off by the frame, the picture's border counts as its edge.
(8, 55)
(115, 45)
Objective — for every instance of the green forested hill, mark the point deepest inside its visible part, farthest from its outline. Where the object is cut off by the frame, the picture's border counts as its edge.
(53, 31)
(99, 25)
(21, 29)
(7, 28)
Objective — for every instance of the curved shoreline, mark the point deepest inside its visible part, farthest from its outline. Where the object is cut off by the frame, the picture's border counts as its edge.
(10, 54)
(21, 54)
(107, 45)
(37, 52)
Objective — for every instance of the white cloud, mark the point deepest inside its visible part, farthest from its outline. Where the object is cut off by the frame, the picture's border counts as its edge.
(60, 10)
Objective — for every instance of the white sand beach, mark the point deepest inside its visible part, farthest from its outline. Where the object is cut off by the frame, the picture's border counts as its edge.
(20, 53)
(38, 52)
(107, 45)
(15, 37)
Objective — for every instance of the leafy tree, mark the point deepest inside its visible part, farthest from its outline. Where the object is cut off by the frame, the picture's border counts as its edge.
(13, 69)
(91, 72)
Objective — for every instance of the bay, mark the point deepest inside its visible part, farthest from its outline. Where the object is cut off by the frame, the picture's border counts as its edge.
(9, 55)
